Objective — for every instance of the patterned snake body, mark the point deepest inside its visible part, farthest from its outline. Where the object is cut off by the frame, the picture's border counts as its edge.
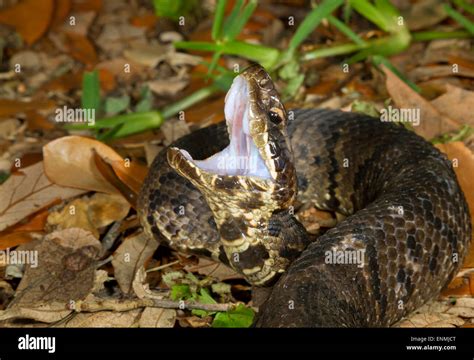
(406, 226)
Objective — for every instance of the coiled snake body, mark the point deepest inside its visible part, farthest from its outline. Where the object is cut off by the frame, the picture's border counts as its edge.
(406, 226)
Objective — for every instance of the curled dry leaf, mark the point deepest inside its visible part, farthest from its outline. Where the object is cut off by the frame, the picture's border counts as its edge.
(456, 103)
(23, 232)
(64, 270)
(91, 213)
(157, 318)
(432, 123)
(69, 161)
(28, 191)
(130, 258)
(30, 18)
(463, 162)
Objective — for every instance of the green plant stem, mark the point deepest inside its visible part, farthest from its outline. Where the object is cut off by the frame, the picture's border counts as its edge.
(464, 21)
(433, 35)
(331, 51)
(266, 56)
(346, 30)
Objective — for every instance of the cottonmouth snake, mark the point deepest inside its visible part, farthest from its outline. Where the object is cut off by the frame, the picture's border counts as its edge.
(405, 229)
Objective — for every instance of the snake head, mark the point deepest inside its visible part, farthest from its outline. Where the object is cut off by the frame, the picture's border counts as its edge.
(258, 161)
(250, 180)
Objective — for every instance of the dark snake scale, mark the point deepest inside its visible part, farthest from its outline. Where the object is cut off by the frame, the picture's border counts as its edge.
(401, 208)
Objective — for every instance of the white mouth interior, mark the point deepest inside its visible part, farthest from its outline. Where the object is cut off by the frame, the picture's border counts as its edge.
(241, 157)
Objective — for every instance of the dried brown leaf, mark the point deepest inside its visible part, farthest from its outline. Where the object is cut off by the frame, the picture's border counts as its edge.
(30, 18)
(213, 269)
(457, 103)
(90, 213)
(103, 319)
(65, 271)
(69, 161)
(28, 191)
(157, 318)
(432, 123)
(130, 257)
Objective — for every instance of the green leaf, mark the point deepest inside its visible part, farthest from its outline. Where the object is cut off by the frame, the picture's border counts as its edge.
(434, 35)
(204, 298)
(289, 70)
(240, 21)
(91, 91)
(365, 107)
(115, 105)
(293, 86)
(311, 21)
(371, 13)
(463, 5)
(464, 21)
(135, 123)
(264, 55)
(146, 100)
(173, 9)
(346, 30)
(232, 18)
(240, 317)
(218, 19)
(180, 291)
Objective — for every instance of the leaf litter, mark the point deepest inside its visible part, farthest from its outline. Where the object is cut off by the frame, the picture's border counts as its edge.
(71, 199)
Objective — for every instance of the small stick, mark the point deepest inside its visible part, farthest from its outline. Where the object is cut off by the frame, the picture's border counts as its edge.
(127, 305)
(161, 267)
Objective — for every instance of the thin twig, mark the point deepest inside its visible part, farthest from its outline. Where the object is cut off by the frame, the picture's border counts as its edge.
(161, 267)
(127, 305)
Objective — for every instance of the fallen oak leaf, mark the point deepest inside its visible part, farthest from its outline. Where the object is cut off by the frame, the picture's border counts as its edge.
(103, 319)
(28, 191)
(61, 10)
(69, 161)
(432, 123)
(157, 318)
(130, 257)
(107, 171)
(213, 269)
(90, 214)
(456, 103)
(23, 233)
(65, 272)
(30, 18)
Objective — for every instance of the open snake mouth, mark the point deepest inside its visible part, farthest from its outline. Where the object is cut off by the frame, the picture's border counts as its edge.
(242, 156)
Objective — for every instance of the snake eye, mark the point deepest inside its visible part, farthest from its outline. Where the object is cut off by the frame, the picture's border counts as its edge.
(274, 117)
